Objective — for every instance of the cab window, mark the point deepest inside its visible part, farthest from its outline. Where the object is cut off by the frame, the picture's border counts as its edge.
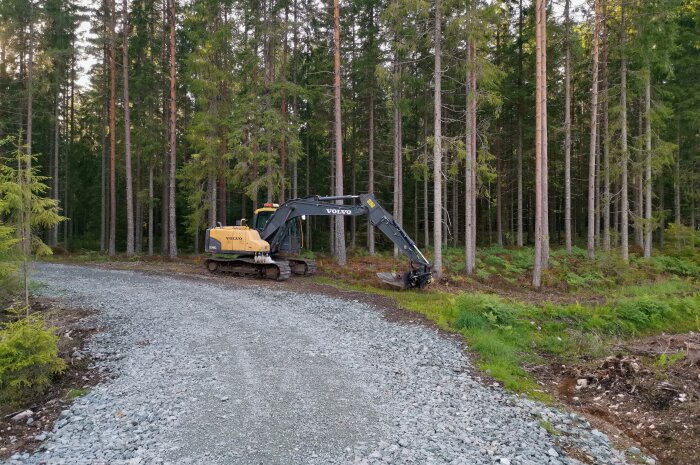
(261, 220)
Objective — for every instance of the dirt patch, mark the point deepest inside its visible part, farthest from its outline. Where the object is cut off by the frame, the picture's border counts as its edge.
(650, 390)
(360, 270)
(74, 330)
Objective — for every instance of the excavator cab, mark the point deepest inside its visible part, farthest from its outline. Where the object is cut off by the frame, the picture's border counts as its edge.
(292, 240)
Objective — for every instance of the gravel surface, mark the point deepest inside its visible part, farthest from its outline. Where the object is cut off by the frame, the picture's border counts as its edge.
(211, 371)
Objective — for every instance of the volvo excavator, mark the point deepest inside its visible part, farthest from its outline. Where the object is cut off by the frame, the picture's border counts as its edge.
(270, 247)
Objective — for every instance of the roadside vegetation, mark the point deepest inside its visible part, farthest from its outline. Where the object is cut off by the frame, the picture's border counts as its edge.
(586, 308)
(29, 355)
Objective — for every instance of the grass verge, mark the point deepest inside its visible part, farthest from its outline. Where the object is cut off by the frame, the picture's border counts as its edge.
(507, 335)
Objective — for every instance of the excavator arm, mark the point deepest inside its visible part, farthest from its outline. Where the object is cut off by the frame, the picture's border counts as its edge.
(420, 273)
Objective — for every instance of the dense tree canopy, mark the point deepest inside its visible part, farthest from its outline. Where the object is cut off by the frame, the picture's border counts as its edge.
(253, 102)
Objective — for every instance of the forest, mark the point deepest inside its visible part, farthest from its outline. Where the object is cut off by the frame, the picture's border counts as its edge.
(543, 155)
(564, 124)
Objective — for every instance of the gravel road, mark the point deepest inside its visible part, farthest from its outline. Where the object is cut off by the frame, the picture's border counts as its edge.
(213, 371)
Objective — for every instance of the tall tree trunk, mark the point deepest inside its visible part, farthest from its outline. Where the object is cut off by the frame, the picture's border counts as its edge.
(103, 124)
(499, 195)
(308, 190)
(567, 127)
(112, 131)
(26, 178)
(398, 149)
(370, 154)
(470, 162)
(151, 208)
(540, 143)
(138, 210)
(519, 236)
(624, 155)
(437, 146)
(426, 175)
(295, 109)
(605, 136)
(639, 207)
(212, 196)
(165, 189)
(594, 133)
(127, 135)
(172, 236)
(647, 163)
(283, 110)
(340, 254)
(56, 142)
(662, 221)
(455, 211)
(222, 195)
(677, 178)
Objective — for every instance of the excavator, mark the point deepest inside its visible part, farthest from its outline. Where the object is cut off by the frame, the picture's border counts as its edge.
(270, 247)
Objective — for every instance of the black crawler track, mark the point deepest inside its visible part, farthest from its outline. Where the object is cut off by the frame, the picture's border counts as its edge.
(302, 266)
(278, 270)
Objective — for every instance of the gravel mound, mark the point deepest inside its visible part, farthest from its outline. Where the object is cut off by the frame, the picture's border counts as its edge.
(212, 372)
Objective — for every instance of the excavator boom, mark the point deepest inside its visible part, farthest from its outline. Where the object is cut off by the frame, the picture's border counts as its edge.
(420, 273)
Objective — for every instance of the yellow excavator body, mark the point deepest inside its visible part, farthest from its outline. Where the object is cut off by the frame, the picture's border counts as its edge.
(237, 239)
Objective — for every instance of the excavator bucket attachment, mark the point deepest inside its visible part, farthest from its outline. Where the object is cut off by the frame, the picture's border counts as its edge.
(394, 280)
(413, 278)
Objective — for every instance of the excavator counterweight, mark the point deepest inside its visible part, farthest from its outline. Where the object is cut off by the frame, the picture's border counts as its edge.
(270, 248)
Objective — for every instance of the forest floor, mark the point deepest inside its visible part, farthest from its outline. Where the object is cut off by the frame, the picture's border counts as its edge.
(616, 343)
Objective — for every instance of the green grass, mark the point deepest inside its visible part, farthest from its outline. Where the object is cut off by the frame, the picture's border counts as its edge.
(667, 360)
(75, 393)
(546, 425)
(507, 336)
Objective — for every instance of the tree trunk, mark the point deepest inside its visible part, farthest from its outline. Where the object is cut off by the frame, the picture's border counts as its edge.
(339, 219)
(308, 191)
(647, 164)
(212, 200)
(437, 146)
(661, 210)
(519, 236)
(370, 188)
(283, 110)
(499, 196)
(103, 168)
(56, 143)
(594, 133)
(605, 136)
(397, 207)
(127, 135)
(27, 176)
(151, 212)
(639, 207)
(138, 209)
(567, 127)
(470, 163)
(426, 175)
(540, 143)
(295, 170)
(172, 237)
(455, 211)
(677, 179)
(112, 131)
(624, 155)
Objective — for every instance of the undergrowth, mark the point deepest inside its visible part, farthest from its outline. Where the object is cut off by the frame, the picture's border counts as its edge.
(28, 360)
